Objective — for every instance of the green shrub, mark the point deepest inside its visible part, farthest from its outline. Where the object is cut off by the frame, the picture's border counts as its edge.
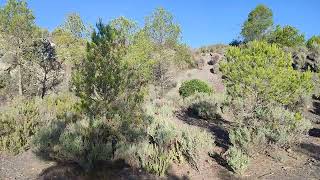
(186, 140)
(167, 142)
(259, 126)
(19, 121)
(190, 87)
(79, 142)
(205, 106)
(265, 71)
(183, 57)
(249, 140)
(285, 128)
(204, 110)
(155, 159)
(313, 42)
(287, 36)
(237, 160)
(22, 118)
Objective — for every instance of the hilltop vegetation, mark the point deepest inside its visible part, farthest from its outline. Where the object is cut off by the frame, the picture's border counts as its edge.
(87, 94)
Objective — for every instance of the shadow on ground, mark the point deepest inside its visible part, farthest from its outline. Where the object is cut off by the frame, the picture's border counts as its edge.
(311, 150)
(314, 132)
(218, 127)
(106, 170)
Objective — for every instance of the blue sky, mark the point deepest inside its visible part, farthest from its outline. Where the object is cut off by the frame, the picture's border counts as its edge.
(203, 21)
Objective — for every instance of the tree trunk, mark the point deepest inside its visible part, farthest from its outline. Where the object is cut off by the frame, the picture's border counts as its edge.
(44, 88)
(20, 80)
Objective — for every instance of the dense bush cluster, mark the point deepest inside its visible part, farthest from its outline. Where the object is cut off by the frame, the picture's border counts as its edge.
(23, 118)
(266, 95)
(168, 141)
(265, 72)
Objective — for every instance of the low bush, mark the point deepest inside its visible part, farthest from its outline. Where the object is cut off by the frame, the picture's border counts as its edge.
(167, 143)
(22, 118)
(204, 110)
(266, 124)
(79, 142)
(237, 160)
(257, 126)
(205, 106)
(190, 87)
(286, 128)
(154, 147)
(184, 141)
(19, 122)
(250, 141)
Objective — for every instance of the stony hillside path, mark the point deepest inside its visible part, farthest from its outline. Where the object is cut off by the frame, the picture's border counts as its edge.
(202, 73)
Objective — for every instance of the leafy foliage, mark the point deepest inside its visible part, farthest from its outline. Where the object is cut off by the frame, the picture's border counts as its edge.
(287, 36)
(168, 142)
(313, 42)
(237, 160)
(190, 87)
(104, 79)
(18, 122)
(23, 118)
(161, 28)
(79, 142)
(74, 25)
(258, 24)
(264, 71)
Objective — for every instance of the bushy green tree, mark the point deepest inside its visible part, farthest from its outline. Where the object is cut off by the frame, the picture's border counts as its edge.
(70, 40)
(75, 25)
(168, 53)
(287, 36)
(258, 24)
(161, 28)
(264, 71)
(103, 79)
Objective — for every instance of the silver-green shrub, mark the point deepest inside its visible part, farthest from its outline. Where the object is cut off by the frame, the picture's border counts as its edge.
(22, 118)
(237, 160)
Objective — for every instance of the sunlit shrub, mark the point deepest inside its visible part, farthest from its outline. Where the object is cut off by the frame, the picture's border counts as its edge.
(237, 160)
(190, 87)
(79, 142)
(265, 71)
(22, 118)
(168, 142)
(19, 122)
